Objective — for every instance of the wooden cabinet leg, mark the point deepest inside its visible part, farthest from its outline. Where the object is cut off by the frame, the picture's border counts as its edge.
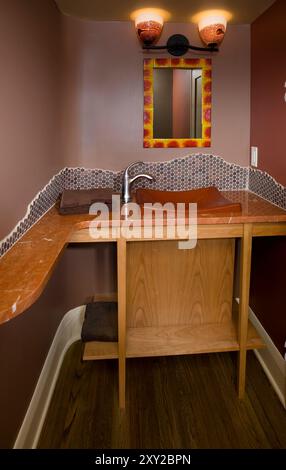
(121, 286)
(245, 268)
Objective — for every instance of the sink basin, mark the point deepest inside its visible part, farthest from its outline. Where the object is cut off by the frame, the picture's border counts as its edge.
(208, 199)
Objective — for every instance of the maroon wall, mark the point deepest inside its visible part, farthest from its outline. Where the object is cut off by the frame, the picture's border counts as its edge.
(268, 126)
(181, 104)
(268, 79)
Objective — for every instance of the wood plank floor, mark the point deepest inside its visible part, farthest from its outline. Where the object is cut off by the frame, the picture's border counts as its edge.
(174, 402)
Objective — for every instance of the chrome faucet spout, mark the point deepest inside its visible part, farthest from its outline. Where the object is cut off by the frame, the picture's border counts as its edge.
(143, 175)
(128, 180)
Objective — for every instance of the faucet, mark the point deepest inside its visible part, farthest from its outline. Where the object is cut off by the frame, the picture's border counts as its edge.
(128, 180)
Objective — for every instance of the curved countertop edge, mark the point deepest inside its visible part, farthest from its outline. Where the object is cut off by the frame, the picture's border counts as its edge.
(27, 267)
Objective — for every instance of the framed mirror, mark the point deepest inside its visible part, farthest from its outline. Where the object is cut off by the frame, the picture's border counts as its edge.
(177, 103)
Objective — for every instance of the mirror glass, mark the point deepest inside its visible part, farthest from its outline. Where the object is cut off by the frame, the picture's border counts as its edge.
(177, 95)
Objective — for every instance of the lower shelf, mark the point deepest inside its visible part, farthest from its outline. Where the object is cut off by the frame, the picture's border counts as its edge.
(100, 350)
(175, 340)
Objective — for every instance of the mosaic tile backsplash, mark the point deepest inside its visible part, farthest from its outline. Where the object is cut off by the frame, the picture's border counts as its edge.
(44, 200)
(264, 185)
(193, 171)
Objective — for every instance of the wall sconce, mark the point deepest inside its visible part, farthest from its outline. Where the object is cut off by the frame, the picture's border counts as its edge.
(212, 29)
(149, 24)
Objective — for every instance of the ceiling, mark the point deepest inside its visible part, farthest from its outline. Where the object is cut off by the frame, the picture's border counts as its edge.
(243, 11)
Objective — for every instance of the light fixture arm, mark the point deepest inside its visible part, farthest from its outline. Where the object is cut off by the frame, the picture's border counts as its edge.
(178, 45)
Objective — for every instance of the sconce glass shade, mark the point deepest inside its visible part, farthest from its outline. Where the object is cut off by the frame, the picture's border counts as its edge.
(212, 29)
(149, 27)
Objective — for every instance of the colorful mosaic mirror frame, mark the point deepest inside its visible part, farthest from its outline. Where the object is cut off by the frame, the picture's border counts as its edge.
(206, 66)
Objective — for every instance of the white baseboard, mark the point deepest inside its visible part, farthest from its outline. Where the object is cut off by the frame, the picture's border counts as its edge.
(271, 360)
(67, 333)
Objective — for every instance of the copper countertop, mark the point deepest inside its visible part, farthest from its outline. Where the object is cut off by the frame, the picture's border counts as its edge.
(26, 268)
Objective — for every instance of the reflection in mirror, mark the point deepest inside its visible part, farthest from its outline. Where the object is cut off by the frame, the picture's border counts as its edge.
(177, 103)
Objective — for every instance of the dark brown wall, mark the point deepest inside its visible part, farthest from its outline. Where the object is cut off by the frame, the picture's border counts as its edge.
(268, 126)
(26, 340)
(30, 90)
(24, 343)
(103, 95)
(30, 56)
(268, 283)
